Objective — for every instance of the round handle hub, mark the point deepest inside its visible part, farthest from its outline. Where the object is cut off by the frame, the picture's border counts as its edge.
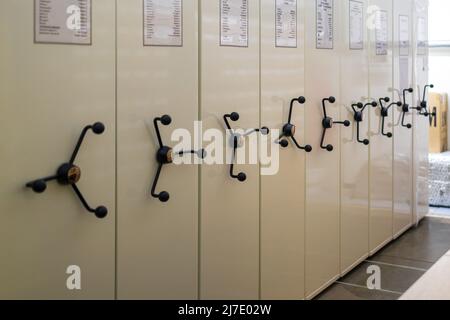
(69, 174)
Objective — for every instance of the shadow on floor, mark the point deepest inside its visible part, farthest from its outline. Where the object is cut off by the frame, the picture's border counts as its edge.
(402, 263)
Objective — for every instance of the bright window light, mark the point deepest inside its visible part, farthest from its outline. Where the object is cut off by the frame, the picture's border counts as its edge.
(439, 23)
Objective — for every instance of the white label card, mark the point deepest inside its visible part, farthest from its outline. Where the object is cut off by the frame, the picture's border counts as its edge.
(62, 21)
(163, 23)
(422, 37)
(356, 25)
(234, 23)
(324, 24)
(404, 40)
(286, 23)
(381, 33)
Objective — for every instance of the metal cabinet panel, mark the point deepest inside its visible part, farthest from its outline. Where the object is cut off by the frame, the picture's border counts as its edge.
(322, 167)
(403, 137)
(157, 244)
(283, 194)
(381, 146)
(229, 219)
(48, 93)
(421, 122)
(354, 155)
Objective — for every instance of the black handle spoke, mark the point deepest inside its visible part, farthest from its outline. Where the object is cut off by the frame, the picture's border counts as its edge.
(69, 174)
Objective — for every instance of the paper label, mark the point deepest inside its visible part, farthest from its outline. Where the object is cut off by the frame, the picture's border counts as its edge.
(381, 33)
(234, 23)
(404, 40)
(62, 21)
(163, 23)
(356, 21)
(286, 23)
(324, 24)
(422, 38)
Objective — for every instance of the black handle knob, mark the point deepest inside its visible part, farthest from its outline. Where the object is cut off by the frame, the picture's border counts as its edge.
(328, 122)
(358, 110)
(236, 138)
(70, 174)
(165, 155)
(289, 129)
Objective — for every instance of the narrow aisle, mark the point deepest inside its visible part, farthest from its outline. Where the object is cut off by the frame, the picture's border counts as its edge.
(401, 264)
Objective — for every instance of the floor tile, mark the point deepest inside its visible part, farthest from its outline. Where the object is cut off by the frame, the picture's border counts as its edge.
(428, 242)
(401, 262)
(345, 292)
(392, 278)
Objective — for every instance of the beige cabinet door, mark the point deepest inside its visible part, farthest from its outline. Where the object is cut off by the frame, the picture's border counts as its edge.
(157, 242)
(354, 146)
(403, 130)
(51, 246)
(322, 49)
(381, 141)
(421, 121)
(229, 219)
(283, 190)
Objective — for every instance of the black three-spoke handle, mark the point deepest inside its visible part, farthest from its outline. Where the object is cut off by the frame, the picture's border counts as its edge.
(358, 109)
(406, 108)
(235, 141)
(69, 174)
(165, 156)
(385, 113)
(328, 122)
(289, 129)
(423, 103)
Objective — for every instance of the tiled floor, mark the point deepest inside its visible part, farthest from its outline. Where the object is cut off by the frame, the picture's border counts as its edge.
(402, 263)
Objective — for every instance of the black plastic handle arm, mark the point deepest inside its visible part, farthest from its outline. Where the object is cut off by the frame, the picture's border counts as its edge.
(264, 131)
(100, 212)
(300, 100)
(385, 114)
(331, 100)
(69, 174)
(234, 116)
(165, 156)
(405, 91)
(289, 129)
(405, 125)
(406, 108)
(241, 176)
(163, 196)
(328, 122)
(382, 101)
(165, 121)
(358, 110)
(423, 104)
(98, 128)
